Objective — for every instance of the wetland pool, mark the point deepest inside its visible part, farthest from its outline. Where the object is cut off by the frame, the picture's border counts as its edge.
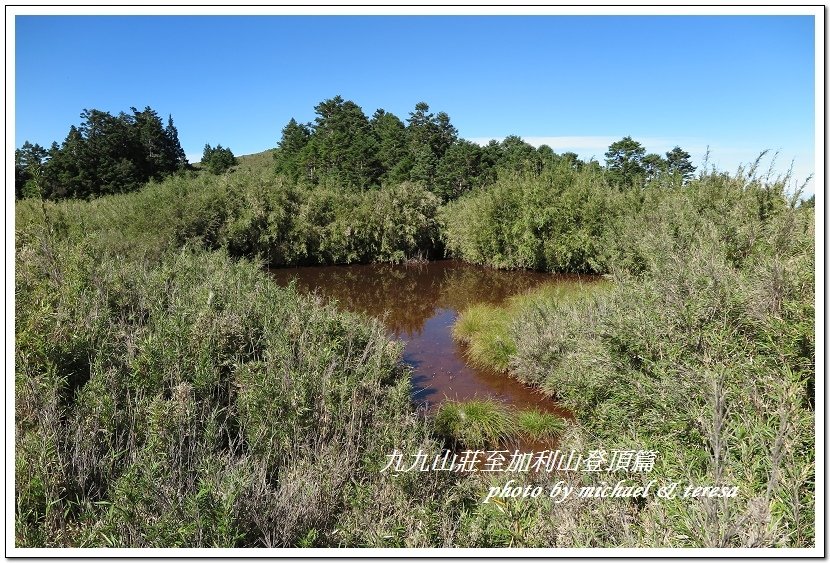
(418, 304)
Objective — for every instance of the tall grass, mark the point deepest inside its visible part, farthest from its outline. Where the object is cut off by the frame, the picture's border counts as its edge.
(703, 349)
(553, 222)
(256, 214)
(475, 423)
(483, 329)
(539, 426)
(486, 423)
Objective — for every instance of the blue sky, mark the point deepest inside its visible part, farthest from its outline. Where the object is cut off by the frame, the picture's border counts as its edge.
(737, 84)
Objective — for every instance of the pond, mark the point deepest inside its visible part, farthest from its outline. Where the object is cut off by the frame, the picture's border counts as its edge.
(418, 303)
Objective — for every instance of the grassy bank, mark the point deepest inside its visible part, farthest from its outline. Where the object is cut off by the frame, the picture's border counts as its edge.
(191, 403)
(169, 394)
(489, 332)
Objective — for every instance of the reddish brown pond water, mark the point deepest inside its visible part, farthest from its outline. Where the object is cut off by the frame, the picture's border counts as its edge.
(419, 303)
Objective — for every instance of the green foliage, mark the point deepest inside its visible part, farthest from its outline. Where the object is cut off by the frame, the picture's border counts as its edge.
(344, 143)
(28, 170)
(167, 393)
(188, 402)
(257, 213)
(106, 154)
(518, 157)
(698, 354)
(488, 331)
(653, 166)
(392, 154)
(460, 170)
(551, 222)
(344, 148)
(679, 162)
(625, 161)
(484, 330)
(539, 426)
(218, 159)
(486, 423)
(289, 153)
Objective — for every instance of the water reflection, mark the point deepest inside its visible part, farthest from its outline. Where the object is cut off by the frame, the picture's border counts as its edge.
(418, 304)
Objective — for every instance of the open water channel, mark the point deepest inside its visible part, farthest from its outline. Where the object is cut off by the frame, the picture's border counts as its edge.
(418, 303)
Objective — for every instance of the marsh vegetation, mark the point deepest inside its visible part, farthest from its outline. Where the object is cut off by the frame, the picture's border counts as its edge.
(169, 393)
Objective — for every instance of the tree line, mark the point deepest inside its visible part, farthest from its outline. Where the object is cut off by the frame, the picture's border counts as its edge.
(341, 148)
(345, 147)
(105, 154)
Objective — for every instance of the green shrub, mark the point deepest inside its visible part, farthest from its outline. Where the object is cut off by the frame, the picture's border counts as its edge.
(552, 222)
(190, 402)
(487, 332)
(167, 393)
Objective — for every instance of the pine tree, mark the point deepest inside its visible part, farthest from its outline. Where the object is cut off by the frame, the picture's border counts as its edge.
(175, 152)
(111, 154)
(392, 154)
(625, 160)
(29, 164)
(654, 165)
(679, 162)
(459, 170)
(289, 153)
(344, 141)
(218, 160)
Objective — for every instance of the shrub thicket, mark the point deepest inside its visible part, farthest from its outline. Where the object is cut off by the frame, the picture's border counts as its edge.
(256, 214)
(191, 402)
(552, 222)
(703, 351)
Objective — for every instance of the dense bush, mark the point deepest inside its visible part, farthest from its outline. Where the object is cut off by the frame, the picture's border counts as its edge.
(704, 351)
(259, 215)
(553, 222)
(191, 402)
(171, 396)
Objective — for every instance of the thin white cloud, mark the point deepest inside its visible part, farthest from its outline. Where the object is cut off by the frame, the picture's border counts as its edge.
(573, 142)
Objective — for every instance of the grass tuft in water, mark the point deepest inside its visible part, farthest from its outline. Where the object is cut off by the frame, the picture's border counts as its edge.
(485, 329)
(538, 425)
(476, 424)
